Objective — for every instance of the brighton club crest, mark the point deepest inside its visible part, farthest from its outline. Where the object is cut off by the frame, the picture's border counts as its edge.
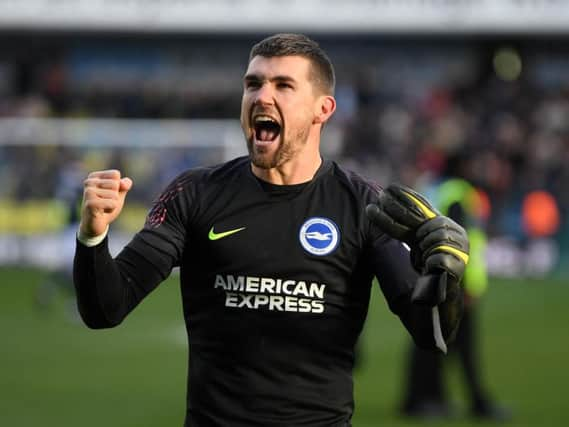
(319, 236)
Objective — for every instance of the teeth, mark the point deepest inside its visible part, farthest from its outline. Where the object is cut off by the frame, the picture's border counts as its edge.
(264, 119)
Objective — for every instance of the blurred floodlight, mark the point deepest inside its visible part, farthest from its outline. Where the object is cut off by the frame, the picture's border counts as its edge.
(507, 64)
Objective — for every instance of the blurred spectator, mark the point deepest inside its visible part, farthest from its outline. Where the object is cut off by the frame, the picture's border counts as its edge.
(58, 282)
(425, 392)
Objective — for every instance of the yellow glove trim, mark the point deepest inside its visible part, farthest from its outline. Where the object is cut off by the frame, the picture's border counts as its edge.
(462, 255)
(426, 211)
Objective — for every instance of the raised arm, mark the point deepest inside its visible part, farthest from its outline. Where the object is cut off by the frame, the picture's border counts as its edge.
(108, 289)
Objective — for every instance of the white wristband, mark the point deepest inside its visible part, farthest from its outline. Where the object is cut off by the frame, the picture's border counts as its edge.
(92, 241)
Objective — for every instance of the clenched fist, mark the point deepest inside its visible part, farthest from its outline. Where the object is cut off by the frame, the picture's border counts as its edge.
(104, 193)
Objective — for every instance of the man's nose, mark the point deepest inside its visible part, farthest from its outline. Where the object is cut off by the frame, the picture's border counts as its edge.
(264, 95)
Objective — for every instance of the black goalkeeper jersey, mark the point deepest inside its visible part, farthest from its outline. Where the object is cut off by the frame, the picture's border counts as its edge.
(275, 284)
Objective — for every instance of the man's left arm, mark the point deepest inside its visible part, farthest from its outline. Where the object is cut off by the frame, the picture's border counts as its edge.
(432, 308)
(434, 327)
(391, 263)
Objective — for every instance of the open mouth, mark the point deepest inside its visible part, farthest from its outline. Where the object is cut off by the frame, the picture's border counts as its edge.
(267, 129)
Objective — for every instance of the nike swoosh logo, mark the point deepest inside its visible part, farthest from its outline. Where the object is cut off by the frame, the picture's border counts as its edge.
(216, 236)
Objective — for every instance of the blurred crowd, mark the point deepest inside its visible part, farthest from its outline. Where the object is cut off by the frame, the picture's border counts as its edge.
(405, 111)
(515, 136)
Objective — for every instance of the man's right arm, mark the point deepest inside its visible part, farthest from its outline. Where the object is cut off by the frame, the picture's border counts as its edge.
(108, 289)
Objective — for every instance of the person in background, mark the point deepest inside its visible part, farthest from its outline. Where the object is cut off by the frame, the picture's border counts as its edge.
(58, 282)
(425, 394)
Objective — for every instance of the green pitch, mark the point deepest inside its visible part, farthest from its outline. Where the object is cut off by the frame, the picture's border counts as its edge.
(54, 372)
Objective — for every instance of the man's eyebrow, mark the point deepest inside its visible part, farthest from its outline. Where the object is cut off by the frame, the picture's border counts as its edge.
(252, 77)
(258, 78)
(288, 79)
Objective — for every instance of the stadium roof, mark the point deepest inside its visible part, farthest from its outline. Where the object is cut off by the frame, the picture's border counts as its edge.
(255, 16)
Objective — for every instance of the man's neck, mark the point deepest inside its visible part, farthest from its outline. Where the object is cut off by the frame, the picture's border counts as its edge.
(293, 172)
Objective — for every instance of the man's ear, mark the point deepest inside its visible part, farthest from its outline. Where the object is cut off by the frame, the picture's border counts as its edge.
(325, 108)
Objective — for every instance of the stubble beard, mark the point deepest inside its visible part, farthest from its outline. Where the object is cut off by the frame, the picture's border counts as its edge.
(287, 149)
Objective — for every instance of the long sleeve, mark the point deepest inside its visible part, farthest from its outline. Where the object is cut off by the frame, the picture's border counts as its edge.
(108, 289)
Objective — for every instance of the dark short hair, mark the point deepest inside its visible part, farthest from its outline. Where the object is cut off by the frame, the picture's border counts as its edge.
(288, 44)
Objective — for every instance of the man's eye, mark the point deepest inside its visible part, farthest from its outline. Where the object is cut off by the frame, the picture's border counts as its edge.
(252, 85)
(284, 86)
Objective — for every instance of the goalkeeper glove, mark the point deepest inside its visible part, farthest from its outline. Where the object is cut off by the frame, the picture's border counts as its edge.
(439, 246)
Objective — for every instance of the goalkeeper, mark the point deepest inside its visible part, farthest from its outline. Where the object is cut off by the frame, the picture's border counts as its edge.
(277, 251)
